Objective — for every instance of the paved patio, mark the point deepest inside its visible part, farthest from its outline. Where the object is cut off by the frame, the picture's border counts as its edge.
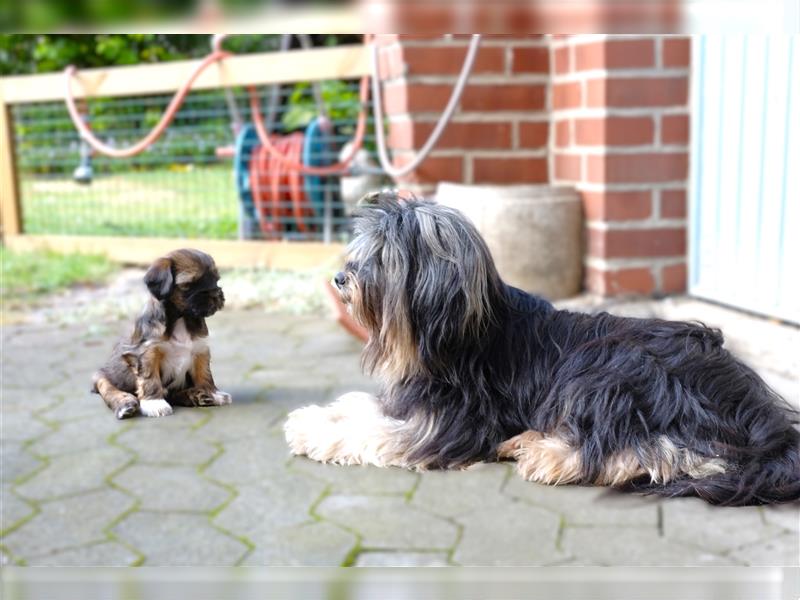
(217, 486)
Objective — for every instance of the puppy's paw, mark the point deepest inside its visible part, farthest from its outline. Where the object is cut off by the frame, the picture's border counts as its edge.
(128, 408)
(155, 408)
(222, 398)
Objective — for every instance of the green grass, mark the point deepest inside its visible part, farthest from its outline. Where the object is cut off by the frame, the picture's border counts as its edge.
(27, 275)
(191, 202)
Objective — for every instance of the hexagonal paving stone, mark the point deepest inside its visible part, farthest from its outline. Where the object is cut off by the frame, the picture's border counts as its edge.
(259, 509)
(182, 446)
(79, 435)
(357, 479)
(245, 418)
(312, 544)
(68, 522)
(715, 528)
(780, 551)
(402, 559)
(74, 473)
(29, 398)
(455, 493)
(106, 554)
(785, 516)
(584, 505)
(508, 533)
(633, 547)
(19, 426)
(76, 404)
(388, 522)
(12, 509)
(171, 488)
(16, 461)
(251, 460)
(167, 539)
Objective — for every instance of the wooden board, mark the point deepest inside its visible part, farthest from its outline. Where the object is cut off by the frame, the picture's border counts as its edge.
(341, 62)
(10, 214)
(227, 253)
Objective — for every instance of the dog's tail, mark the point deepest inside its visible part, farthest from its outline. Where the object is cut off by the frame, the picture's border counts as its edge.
(770, 478)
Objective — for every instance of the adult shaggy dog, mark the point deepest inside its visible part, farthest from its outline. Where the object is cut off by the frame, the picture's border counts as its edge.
(474, 370)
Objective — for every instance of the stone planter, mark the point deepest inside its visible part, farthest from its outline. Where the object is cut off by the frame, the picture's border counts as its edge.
(534, 232)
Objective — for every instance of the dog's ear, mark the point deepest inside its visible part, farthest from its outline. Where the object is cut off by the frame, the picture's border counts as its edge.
(159, 278)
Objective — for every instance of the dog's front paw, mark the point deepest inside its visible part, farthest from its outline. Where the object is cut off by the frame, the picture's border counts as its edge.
(301, 426)
(155, 408)
(222, 398)
(128, 409)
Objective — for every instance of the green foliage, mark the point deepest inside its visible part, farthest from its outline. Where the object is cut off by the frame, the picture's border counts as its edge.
(28, 274)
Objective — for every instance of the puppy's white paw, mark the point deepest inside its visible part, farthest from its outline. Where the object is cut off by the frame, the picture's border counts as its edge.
(155, 408)
(221, 398)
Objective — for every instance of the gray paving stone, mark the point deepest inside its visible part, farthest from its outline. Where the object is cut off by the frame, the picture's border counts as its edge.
(510, 533)
(20, 426)
(172, 539)
(457, 493)
(27, 399)
(80, 435)
(74, 473)
(246, 418)
(76, 403)
(583, 505)
(251, 460)
(312, 544)
(183, 446)
(716, 528)
(388, 522)
(106, 554)
(402, 559)
(619, 546)
(12, 508)
(67, 523)
(171, 488)
(16, 461)
(781, 551)
(785, 516)
(302, 373)
(258, 510)
(359, 479)
(29, 370)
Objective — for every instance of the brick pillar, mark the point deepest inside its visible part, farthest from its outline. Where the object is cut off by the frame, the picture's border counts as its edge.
(500, 132)
(620, 119)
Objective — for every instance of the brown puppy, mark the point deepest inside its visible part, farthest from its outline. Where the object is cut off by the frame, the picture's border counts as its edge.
(166, 360)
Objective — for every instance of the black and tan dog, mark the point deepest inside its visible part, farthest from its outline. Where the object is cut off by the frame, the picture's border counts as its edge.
(474, 369)
(166, 361)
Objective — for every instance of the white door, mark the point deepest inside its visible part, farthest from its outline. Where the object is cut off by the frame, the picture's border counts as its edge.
(745, 187)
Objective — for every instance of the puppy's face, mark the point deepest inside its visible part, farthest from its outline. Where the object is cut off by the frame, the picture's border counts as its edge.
(187, 279)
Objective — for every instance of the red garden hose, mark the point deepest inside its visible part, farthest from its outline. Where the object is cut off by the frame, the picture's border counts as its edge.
(155, 133)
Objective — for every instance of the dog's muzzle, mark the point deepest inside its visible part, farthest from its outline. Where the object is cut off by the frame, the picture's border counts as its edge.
(340, 279)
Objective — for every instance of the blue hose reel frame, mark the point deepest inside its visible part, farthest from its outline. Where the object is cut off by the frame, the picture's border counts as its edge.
(317, 147)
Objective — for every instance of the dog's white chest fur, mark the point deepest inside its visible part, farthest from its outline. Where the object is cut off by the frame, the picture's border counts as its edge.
(179, 352)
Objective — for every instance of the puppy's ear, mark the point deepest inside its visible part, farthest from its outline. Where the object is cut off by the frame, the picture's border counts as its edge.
(159, 279)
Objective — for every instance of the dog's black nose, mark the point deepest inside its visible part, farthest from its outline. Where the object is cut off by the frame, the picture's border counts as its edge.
(340, 279)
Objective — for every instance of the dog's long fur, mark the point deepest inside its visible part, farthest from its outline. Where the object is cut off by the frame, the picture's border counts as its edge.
(477, 370)
(166, 360)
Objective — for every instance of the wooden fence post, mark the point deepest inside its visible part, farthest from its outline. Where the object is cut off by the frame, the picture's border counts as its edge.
(10, 214)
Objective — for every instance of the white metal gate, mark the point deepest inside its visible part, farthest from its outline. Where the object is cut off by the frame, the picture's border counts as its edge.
(745, 187)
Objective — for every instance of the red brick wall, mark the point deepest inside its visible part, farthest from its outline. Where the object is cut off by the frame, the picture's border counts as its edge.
(500, 132)
(606, 114)
(620, 116)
